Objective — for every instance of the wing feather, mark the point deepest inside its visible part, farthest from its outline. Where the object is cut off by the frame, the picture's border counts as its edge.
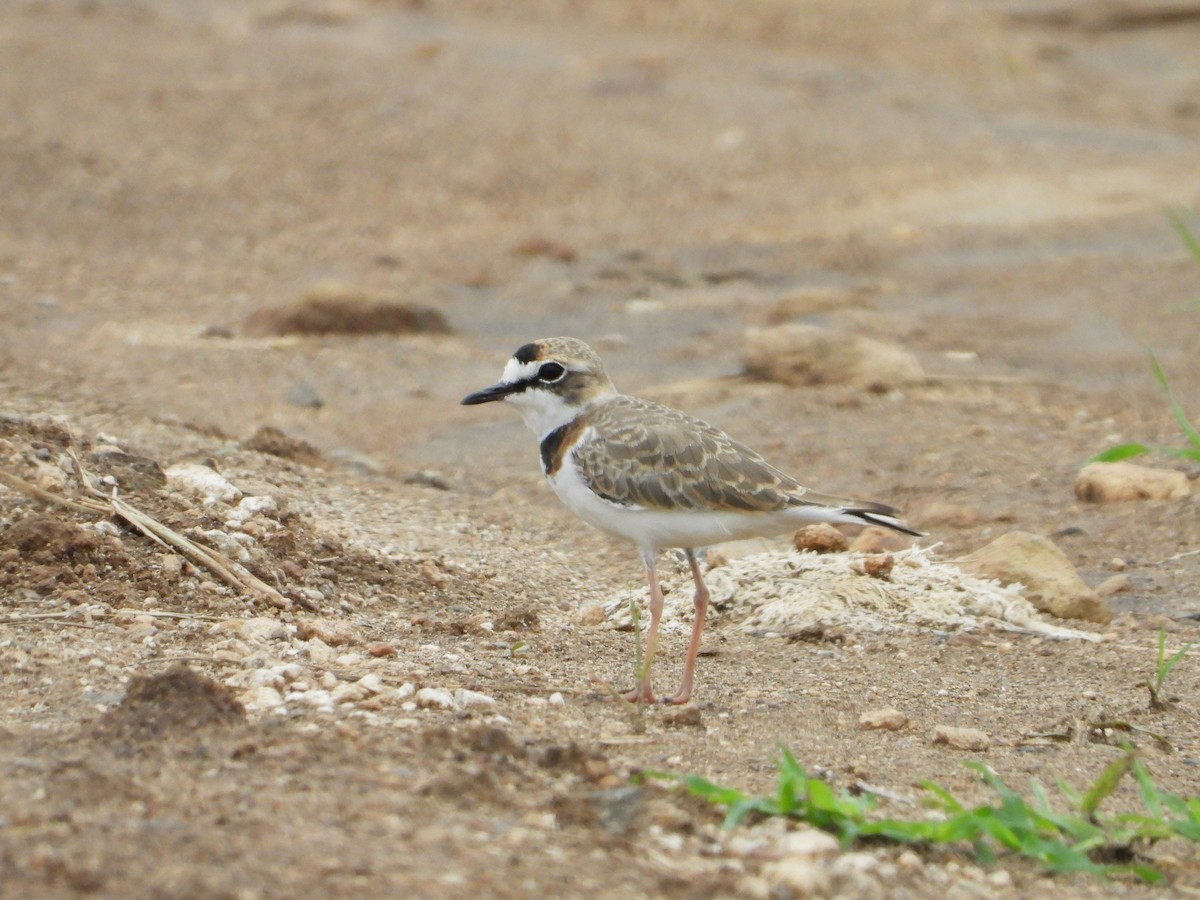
(638, 453)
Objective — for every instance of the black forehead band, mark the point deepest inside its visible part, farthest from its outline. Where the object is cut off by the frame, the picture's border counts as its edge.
(527, 353)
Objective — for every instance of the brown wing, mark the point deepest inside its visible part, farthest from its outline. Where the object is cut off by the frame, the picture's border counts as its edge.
(640, 453)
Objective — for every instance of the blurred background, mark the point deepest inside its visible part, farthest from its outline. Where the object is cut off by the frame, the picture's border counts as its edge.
(336, 217)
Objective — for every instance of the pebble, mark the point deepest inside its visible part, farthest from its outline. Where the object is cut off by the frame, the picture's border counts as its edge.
(886, 719)
(1050, 581)
(434, 698)
(348, 693)
(464, 698)
(201, 482)
(820, 538)
(248, 508)
(372, 683)
(1102, 482)
(258, 630)
(260, 698)
(803, 355)
(381, 649)
(405, 690)
(808, 842)
(961, 738)
(801, 874)
(1117, 584)
(556, 699)
(590, 616)
(333, 632)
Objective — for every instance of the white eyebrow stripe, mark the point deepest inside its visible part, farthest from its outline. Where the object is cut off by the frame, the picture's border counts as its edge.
(516, 371)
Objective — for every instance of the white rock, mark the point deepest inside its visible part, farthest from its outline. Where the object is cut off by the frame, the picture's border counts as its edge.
(405, 690)
(269, 677)
(260, 698)
(231, 545)
(256, 630)
(556, 699)
(808, 842)
(202, 482)
(802, 874)
(435, 698)
(464, 698)
(372, 683)
(1102, 482)
(319, 699)
(249, 507)
(348, 693)
(291, 671)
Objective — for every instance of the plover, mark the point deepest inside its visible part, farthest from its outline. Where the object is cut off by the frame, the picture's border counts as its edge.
(655, 476)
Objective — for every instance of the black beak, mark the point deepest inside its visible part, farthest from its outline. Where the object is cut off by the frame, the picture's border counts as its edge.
(495, 392)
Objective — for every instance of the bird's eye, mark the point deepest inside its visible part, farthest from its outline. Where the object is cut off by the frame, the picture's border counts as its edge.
(551, 372)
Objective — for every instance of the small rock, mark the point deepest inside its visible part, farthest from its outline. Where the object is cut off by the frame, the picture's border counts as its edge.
(334, 632)
(808, 842)
(805, 876)
(804, 355)
(1051, 582)
(248, 508)
(1102, 482)
(464, 698)
(260, 698)
(405, 690)
(684, 717)
(879, 565)
(348, 693)
(961, 738)
(876, 539)
(557, 699)
(258, 630)
(820, 538)
(617, 807)
(590, 616)
(381, 649)
(429, 478)
(887, 719)
(1117, 564)
(434, 698)
(203, 483)
(1117, 584)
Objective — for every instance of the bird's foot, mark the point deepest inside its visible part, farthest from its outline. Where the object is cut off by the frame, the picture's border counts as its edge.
(640, 695)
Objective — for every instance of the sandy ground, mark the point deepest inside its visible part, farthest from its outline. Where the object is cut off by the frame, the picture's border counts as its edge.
(982, 183)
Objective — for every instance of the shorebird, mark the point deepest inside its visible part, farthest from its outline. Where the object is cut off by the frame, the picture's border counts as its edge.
(655, 476)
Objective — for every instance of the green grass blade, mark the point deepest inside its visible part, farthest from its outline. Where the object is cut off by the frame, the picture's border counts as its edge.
(1105, 784)
(1185, 233)
(1119, 452)
(1180, 416)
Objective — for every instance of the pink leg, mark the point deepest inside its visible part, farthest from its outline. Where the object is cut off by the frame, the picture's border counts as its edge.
(701, 601)
(642, 693)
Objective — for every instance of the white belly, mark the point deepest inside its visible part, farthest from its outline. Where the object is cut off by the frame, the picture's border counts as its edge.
(657, 529)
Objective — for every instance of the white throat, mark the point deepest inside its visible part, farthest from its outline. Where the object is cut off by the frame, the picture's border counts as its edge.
(542, 410)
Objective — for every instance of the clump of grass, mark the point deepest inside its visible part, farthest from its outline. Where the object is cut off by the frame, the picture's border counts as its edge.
(1080, 840)
(1125, 451)
(1192, 452)
(1165, 665)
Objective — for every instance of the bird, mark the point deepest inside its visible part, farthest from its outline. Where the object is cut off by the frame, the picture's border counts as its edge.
(655, 476)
